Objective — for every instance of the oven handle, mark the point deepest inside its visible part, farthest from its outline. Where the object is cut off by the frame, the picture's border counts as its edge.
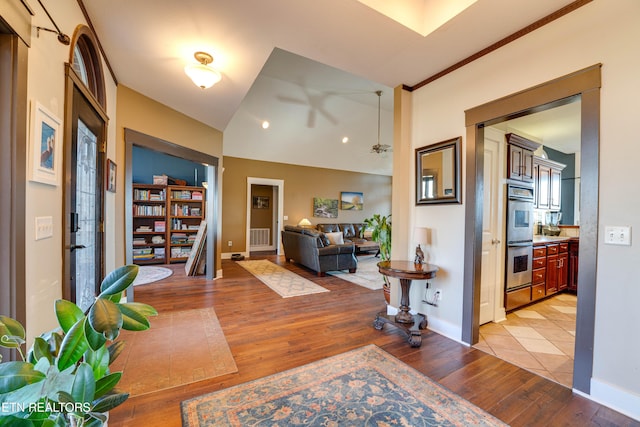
(519, 244)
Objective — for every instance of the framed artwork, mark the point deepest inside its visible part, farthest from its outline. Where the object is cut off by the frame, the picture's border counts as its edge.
(351, 201)
(325, 208)
(260, 202)
(196, 249)
(46, 142)
(111, 176)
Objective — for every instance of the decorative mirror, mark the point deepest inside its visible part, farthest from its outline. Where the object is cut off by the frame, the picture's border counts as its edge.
(438, 173)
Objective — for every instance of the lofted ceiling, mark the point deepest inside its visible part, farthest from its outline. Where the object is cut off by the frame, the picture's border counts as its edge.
(312, 65)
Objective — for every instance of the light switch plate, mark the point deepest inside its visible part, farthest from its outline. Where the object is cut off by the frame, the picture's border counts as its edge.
(44, 227)
(617, 235)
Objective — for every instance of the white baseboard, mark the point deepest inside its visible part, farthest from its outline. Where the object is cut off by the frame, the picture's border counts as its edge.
(615, 398)
(445, 328)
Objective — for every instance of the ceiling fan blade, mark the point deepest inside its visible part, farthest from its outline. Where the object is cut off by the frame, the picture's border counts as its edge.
(291, 100)
(328, 116)
(311, 118)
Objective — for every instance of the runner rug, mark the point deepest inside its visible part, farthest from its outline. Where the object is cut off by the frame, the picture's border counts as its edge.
(181, 347)
(284, 282)
(363, 387)
(366, 274)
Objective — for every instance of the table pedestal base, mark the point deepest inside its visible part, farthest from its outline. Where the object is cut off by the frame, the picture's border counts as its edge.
(412, 330)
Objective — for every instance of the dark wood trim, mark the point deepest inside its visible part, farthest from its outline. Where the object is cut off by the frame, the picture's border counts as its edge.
(131, 138)
(505, 41)
(17, 19)
(85, 39)
(586, 84)
(13, 160)
(97, 40)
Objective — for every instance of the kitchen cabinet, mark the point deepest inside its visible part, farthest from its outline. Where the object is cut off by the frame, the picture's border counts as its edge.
(539, 273)
(547, 183)
(557, 267)
(520, 158)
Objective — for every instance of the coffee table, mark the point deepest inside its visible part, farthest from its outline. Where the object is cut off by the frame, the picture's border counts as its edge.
(367, 246)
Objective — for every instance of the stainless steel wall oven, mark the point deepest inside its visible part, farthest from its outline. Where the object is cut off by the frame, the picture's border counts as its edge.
(519, 235)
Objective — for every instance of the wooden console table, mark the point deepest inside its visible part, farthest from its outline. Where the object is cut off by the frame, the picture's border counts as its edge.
(406, 271)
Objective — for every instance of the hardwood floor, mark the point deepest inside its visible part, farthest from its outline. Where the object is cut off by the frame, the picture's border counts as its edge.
(269, 334)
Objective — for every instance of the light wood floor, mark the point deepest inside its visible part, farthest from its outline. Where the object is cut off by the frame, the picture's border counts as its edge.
(269, 334)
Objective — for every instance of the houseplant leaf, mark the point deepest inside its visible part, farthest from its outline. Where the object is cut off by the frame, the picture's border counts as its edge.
(132, 318)
(84, 385)
(118, 280)
(73, 346)
(12, 332)
(14, 375)
(105, 317)
(95, 339)
(41, 349)
(109, 401)
(114, 350)
(98, 360)
(105, 384)
(67, 313)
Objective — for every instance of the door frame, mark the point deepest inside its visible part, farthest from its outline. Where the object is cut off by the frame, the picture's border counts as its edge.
(586, 83)
(279, 183)
(131, 138)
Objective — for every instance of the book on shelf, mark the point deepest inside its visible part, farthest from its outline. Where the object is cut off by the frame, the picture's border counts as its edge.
(196, 195)
(139, 241)
(144, 229)
(142, 194)
(158, 252)
(159, 226)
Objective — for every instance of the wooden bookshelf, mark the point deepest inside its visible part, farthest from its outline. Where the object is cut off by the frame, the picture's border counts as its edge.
(185, 211)
(149, 210)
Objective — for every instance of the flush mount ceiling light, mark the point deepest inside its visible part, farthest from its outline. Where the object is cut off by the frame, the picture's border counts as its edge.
(202, 74)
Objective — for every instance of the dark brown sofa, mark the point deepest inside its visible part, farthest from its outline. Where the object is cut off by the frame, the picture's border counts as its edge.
(312, 249)
(353, 232)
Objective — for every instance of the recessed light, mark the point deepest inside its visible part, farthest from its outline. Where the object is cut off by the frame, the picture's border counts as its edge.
(265, 125)
(345, 139)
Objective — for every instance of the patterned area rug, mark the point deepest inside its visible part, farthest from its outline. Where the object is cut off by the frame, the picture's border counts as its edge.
(366, 275)
(363, 387)
(150, 274)
(286, 283)
(163, 356)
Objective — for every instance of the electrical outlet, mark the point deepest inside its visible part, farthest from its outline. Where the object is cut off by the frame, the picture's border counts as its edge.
(230, 243)
(438, 295)
(617, 235)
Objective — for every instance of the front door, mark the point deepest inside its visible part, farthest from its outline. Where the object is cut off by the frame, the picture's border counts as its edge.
(85, 207)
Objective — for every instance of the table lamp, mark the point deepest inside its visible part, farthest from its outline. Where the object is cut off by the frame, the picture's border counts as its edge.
(304, 222)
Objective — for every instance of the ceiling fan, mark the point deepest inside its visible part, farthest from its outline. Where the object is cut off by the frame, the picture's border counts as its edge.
(315, 102)
(379, 148)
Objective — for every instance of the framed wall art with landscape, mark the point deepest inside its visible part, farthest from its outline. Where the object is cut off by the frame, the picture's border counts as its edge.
(351, 201)
(44, 150)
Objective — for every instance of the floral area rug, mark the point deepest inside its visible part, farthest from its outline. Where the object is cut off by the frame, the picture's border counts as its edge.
(150, 274)
(362, 387)
(366, 274)
(286, 283)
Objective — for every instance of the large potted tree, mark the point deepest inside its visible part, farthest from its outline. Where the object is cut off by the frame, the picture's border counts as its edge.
(380, 227)
(64, 379)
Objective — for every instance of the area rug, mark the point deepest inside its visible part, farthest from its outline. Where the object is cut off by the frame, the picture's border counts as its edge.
(284, 282)
(366, 274)
(150, 274)
(363, 387)
(181, 347)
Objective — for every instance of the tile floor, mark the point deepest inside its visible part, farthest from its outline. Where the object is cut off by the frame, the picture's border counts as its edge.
(539, 338)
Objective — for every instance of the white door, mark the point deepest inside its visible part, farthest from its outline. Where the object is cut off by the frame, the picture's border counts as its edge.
(492, 283)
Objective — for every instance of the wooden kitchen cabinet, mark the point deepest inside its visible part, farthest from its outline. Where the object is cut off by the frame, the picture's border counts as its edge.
(520, 158)
(574, 246)
(547, 183)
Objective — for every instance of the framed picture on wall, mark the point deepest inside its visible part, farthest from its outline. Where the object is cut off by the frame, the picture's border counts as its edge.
(351, 201)
(111, 176)
(260, 202)
(44, 150)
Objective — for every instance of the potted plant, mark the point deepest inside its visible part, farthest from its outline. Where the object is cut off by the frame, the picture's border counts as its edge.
(64, 379)
(380, 227)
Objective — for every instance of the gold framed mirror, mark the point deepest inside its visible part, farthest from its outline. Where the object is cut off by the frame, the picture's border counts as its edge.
(438, 173)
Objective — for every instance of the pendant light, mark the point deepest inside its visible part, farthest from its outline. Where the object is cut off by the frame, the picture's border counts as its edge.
(203, 75)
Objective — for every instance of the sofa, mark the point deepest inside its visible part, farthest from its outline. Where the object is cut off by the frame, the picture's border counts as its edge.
(354, 232)
(312, 249)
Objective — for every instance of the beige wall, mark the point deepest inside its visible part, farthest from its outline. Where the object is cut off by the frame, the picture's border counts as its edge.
(137, 112)
(301, 185)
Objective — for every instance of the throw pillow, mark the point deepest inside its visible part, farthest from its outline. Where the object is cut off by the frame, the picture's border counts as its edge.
(335, 238)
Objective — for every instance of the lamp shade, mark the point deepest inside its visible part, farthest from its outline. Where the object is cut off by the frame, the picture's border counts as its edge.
(203, 75)
(421, 235)
(304, 222)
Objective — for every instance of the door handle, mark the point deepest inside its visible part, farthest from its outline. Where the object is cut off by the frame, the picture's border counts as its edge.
(74, 247)
(495, 241)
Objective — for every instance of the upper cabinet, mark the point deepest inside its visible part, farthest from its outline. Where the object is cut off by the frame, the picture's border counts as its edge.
(548, 180)
(520, 158)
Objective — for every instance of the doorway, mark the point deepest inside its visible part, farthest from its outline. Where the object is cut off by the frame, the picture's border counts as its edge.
(264, 195)
(585, 83)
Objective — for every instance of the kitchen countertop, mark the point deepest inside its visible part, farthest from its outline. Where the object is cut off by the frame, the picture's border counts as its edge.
(541, 240)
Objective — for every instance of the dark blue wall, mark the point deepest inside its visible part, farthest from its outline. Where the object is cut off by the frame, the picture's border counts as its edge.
(147, 163)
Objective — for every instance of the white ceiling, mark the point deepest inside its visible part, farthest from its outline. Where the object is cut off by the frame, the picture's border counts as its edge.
(149, 43)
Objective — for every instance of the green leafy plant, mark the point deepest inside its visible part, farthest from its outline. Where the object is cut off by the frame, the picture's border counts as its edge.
(64, 379)
(380, 227)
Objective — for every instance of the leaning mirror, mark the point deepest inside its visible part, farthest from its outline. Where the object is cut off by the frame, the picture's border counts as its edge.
(438, 173)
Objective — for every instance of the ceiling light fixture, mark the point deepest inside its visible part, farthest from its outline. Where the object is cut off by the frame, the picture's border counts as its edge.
(345, 139)
(202, 74)
(379, 148)
(265, 124)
